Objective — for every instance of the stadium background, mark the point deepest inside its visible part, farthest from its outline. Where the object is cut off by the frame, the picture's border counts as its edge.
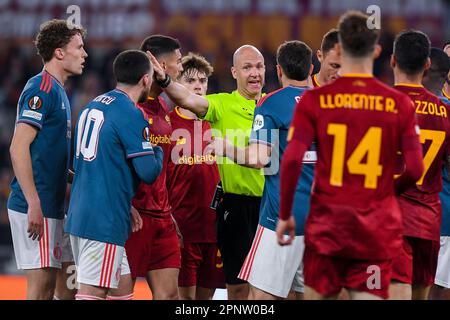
(214, 28)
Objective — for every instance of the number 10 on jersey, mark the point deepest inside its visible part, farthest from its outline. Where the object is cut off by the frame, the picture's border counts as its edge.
(88, 132)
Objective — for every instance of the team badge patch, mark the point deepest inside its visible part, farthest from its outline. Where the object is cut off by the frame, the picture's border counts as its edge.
(35, 103)
(146, 133)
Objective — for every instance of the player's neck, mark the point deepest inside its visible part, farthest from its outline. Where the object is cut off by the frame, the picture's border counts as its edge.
(133, 92)
(186, 113)
(350, 65)
(56, 71)
(403, 78)
(285, 82)
(320, 78)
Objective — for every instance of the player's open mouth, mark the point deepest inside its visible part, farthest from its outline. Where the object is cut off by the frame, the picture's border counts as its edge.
(254, 83)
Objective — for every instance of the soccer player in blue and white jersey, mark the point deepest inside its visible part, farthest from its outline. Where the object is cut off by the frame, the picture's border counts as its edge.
(112, 152)
(273, 270)
(40, 151)
(434, 80)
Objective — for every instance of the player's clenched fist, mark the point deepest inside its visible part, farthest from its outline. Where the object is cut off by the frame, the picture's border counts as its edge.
(283, 227)
(35, 222)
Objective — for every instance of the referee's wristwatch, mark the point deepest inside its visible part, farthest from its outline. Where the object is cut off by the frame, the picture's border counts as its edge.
(164, 83)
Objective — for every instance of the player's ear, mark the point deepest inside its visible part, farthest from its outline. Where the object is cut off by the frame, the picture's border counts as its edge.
(58, 53)
(377, 51)
(319, 55)
(279, 71)
(427, 64)
(145, 80)
(234, 72)
(393, 61)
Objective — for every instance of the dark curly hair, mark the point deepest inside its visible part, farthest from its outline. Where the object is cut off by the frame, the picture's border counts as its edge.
(55, 34)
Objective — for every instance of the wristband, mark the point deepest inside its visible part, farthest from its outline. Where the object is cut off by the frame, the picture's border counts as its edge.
(164, 83)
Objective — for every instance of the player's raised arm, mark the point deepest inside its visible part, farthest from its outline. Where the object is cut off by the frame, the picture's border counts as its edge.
(177, 92)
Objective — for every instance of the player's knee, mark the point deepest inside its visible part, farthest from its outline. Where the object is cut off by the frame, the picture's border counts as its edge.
(238, 292)
(166, 295)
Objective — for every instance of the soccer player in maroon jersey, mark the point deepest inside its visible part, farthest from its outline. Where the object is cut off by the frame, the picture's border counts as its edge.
(154, 251)
(330, 61)
(192, 177)
(353, 230)
(416, 265)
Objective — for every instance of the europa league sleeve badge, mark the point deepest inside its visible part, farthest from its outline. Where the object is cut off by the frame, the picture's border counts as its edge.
(35, 103)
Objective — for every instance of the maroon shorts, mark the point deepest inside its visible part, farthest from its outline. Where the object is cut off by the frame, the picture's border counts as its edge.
(417, 262)
(201, 265)
(153, 247)
(328, 275)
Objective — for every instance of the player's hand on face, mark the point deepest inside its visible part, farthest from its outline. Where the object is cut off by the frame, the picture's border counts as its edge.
(159, 72)
(284, 226)
(136, 220)
(35, 222)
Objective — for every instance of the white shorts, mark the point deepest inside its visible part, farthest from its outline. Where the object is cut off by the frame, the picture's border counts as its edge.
(443, 267)
(99, 264)
(50, 251)
(273, 268)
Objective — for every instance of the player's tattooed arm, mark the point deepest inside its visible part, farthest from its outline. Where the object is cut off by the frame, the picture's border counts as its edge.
(24, 135)
(179, 93)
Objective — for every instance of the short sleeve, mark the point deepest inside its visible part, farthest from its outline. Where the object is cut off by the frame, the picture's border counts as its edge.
(135, 135)
(303, 123)
(265, 126)
(215, 108)
(410, 131)
(35, 106)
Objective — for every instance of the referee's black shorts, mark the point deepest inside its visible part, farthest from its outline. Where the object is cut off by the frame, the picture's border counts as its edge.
(237, 220)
